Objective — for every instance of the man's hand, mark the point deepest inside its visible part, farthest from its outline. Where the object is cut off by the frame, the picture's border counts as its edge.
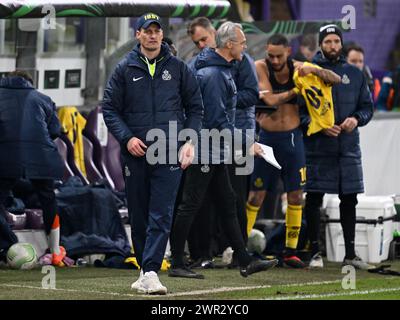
(297, 64)
(136, 147)
(260, 116)
(186, 155)
(349, 124)
(256, 150)
(332, 132)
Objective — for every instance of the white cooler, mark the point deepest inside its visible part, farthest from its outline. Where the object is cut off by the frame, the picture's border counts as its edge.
(374, 228)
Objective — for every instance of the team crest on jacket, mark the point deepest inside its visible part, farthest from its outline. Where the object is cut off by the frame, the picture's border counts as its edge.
(166, 75)
(345, 79)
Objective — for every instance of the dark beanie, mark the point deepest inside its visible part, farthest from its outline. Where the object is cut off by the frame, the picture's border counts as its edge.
(329, 29)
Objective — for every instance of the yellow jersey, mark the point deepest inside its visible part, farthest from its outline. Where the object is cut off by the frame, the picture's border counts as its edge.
(73, 123)
(318, 97)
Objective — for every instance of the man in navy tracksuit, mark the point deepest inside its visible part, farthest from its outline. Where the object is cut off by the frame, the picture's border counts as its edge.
(149, 89)
(219, 95)
(244, 74)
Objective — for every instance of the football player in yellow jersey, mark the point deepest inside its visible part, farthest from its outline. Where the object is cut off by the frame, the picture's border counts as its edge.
(281, 131)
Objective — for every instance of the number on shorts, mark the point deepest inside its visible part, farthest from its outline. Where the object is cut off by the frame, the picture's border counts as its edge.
(303, 175)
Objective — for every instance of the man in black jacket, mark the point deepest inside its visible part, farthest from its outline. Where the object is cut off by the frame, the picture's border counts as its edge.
(28, 125)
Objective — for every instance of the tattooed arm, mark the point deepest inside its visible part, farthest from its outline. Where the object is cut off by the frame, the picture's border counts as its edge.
(327, 75)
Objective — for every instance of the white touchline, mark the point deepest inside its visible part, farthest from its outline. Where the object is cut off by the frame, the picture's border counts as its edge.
(68, 290)
(230, 289)
(178, 294)
(328, 295)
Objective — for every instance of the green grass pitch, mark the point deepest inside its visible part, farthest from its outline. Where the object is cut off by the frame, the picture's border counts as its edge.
(279, 283)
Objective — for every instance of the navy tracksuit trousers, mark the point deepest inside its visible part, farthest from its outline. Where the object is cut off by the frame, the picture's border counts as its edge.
(151, 192)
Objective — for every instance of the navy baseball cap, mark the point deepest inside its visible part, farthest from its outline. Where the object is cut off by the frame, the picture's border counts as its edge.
(147, 19)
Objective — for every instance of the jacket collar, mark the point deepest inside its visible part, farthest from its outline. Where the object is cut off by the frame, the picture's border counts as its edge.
(321, 60)
(137, 59)
(209, 57)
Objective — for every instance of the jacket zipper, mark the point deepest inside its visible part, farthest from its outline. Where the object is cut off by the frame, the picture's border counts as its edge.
(152, 102)
(153, 107)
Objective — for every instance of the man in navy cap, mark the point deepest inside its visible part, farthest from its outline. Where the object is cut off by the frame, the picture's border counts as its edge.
(148, 89)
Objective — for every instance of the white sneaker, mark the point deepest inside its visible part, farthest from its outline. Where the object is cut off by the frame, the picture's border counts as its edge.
(316, 261)
(150, 284)
(357, 263)
(227, 255)
(136, 284)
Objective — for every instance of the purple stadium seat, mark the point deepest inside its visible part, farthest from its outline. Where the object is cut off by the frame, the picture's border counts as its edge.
(17, 221)
(105, 150)
(113, 162)
(62, 150)
(97, 151)
(66, 150)
(92, 172)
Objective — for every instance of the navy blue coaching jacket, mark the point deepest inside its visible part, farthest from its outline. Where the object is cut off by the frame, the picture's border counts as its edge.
(28, 125)
(219, 94)
(246, 81)
(245, 76)
(135, 102)
(334, 164)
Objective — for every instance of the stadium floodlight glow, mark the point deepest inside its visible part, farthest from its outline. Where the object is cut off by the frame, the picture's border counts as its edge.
(17, 9)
